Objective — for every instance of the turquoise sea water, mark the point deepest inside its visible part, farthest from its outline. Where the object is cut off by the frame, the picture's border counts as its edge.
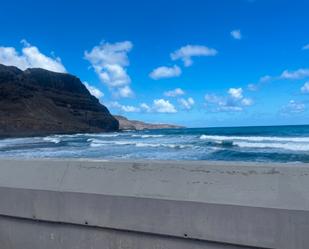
(262, 144)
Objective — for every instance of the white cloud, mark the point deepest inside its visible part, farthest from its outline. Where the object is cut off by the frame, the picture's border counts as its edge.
(158, 106)
(262, 81)
(294, 107)
(174, 93)
(110, 61)
(30, 57)
(187, 103)
(145, 107)
(165, 72)
(295, 75)
(163, 106)
(305, 88)
(187, 52)
(129, 108)
(93, 90)
(285, 75)
(246, 102)
(123, 108)
(235, 93)
(306, 47)
(236, 34)
(234, 102)
(123, 92)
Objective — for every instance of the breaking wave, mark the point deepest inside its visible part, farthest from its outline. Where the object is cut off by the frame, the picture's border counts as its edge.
(256, 138)
(285, 146)
(147, 136)
(101, 143)
(55, 140)
(272, 144)
(262, 142)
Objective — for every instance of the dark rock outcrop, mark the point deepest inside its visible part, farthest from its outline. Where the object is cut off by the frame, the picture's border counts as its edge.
(126, 124)
(38, 102)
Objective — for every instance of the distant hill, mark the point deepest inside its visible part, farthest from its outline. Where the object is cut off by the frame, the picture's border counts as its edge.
(38, 102)
(126, 124)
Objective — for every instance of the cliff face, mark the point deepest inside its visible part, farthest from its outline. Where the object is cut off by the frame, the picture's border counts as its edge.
(126, 124)
(38, 102)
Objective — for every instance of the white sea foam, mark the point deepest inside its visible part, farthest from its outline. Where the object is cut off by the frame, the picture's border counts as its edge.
(173, 146)
(108, 135)
(101, 143)
(256, 138)
(98, 143)
(284, 146)
(147, 136)
(55, 140)
(147, 145)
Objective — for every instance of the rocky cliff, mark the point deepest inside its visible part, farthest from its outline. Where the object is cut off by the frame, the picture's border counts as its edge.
(38, 102)
(126, 124)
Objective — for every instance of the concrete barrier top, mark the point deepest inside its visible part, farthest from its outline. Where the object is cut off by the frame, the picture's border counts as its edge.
(254, 205)
(281, 186)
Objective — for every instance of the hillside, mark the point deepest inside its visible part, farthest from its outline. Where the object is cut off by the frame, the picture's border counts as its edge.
(126, 124)
(38, 102)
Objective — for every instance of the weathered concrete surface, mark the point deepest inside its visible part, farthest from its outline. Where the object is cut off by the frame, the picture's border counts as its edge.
(29, 234)
(153, 204)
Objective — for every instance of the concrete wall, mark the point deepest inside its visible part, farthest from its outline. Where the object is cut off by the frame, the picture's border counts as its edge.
(100, 204)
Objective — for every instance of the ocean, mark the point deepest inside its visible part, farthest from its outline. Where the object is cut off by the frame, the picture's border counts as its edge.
(254, 144)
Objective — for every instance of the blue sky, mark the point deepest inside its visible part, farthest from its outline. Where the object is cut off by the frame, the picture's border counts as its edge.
(196, 63)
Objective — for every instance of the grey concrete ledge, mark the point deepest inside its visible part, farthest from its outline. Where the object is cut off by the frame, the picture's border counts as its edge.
(261, 206)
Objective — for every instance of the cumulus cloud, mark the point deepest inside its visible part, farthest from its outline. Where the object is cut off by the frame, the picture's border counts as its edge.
(294, 107)
(93, 90)
(235, 93)
(174, 93)
(110, 62)
(187, 52)
(123, 108)
(306, 47)
(236, 34)
(233, 102)
(262, 81)
(145, 107)
(187, 103)
(165, 72)
(163, 106)
(30, 57)
(285, 75)
(246, 102)
(123, 92)
(295, 75)
(305, 88)
(158, 106)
